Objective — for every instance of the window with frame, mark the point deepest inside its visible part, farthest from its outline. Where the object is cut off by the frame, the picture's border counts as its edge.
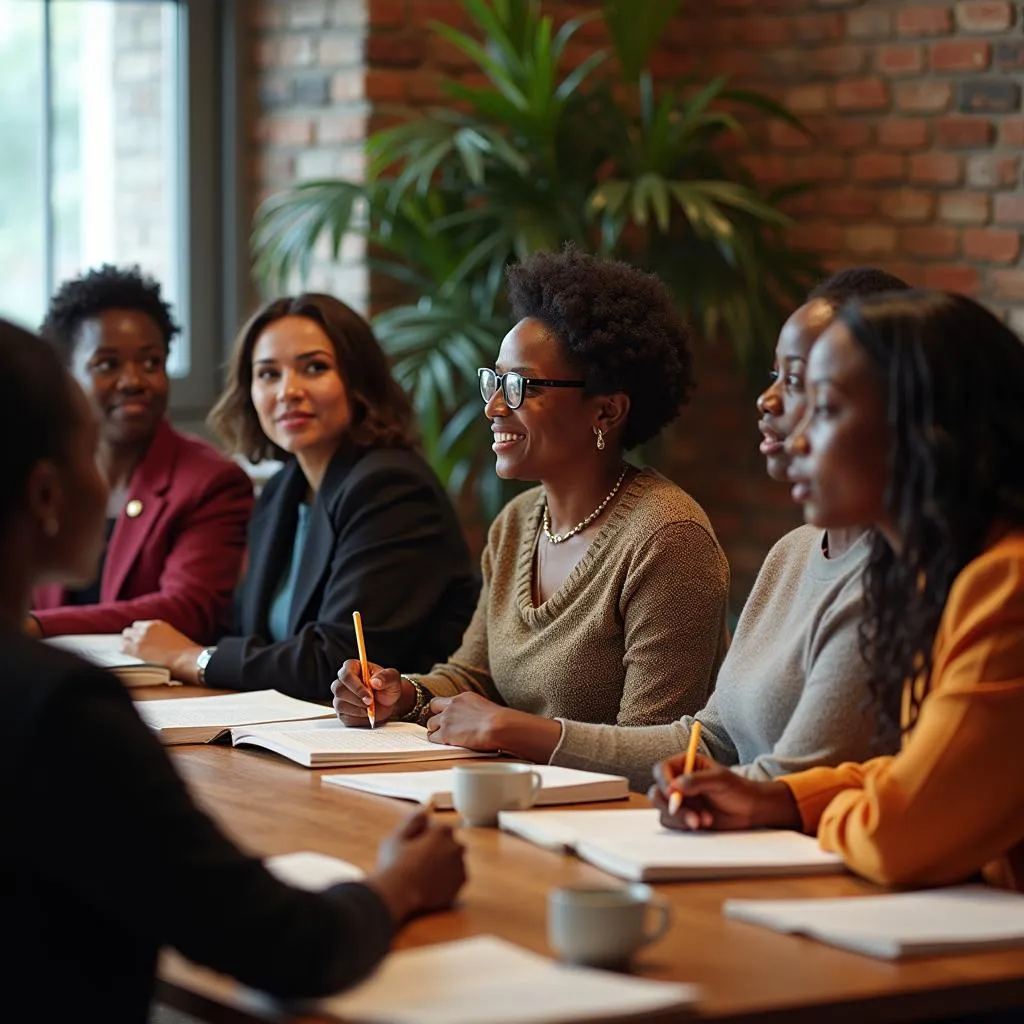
(110, 130)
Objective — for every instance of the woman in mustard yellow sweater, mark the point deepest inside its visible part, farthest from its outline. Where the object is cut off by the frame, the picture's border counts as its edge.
(916, 425)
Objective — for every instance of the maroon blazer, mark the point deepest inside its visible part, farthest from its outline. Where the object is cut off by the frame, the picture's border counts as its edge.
(179, 558)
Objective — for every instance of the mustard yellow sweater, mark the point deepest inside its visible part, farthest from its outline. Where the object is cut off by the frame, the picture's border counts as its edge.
(635, 634)
(951, 803)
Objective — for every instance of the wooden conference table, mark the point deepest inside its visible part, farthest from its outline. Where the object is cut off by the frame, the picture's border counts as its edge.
(748, 974)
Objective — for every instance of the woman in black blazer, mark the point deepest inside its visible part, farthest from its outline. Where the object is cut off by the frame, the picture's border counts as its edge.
(355, 521)
(105, 858)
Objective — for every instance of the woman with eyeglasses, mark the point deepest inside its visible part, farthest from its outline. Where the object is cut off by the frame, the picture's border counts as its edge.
(604, 589)
(792, 689)
(916, 426)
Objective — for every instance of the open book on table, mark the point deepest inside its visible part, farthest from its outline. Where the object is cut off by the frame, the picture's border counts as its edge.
(104, 650)
(485, 980)
(632, 844)
(204, 719)
(938, 921)
(329, 744)
(434, 788)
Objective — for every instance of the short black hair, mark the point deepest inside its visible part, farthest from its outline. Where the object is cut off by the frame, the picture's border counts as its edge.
(854, 283)
(38, 410)
(618, 325)
(106, 287)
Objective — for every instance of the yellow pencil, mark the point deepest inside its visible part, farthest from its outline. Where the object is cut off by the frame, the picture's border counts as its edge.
(676, 799)
(364, 664)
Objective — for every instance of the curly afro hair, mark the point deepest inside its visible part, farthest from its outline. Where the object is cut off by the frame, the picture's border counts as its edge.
(617, 324)
(854, 283)
(107, 287)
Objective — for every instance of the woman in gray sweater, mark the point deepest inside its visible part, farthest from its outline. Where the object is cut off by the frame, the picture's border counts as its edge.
(791, 692)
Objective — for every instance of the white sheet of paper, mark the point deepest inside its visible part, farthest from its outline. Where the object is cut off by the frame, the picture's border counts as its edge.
(330, 736)
(558, 830)
(708, 854)
(227, 710)
(103, 649)
(436, 787)
(313, 871)
(485, 980)
(897, 924)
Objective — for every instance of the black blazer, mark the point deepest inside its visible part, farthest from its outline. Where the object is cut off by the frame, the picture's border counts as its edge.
(105, 859)
(382, 539)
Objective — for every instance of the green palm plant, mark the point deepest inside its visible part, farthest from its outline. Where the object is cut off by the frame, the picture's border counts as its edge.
(538, 157)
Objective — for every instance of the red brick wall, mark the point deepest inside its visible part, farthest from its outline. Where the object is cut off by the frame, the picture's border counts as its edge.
(916, 114)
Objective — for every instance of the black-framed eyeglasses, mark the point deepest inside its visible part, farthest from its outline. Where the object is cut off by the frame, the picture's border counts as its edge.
(513, 385)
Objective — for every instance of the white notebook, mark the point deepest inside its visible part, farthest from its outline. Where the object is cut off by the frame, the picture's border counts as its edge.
(104, 650)
(485, 980)
(633, 845)
(329, 744)
(561, 786)
(928, 923)
(312, 871)
(202, 719)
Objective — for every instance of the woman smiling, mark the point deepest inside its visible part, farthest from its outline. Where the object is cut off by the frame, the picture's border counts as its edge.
(355, 521)
(916, 426)
(604, 593)
(178, 510)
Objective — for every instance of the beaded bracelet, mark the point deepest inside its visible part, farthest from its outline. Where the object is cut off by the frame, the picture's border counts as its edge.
(423, 699)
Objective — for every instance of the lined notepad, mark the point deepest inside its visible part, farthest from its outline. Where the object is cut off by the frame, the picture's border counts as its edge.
(104, 650)
(202, 719)
(633, 845)
(328, 743)
(560, 786)
(938, 921)
(485, 980)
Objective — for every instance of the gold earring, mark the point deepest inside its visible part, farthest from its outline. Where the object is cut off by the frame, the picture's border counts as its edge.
(51, 527)
(600, 438)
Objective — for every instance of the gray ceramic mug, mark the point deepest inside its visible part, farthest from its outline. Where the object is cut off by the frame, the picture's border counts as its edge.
(603, 926)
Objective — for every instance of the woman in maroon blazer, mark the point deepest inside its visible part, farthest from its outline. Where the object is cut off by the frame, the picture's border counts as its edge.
(178, 510)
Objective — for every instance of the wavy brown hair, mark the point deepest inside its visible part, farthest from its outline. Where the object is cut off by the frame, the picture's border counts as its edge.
(382, 415)
(953, 376)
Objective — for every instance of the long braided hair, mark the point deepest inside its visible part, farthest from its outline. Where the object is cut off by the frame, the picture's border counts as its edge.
(954, 380)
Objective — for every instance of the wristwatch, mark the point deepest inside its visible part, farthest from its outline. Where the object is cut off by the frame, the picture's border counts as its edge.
(202, 660)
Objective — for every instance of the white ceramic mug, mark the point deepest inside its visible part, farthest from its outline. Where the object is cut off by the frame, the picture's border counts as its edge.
(603, 926)
(479, 791)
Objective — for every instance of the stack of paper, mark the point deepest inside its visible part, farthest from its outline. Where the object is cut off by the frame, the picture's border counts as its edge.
(202, 719)
(959, 919)
(486, 980)
(560, 786)
(634, 845)
(104, 650)
(329, 744)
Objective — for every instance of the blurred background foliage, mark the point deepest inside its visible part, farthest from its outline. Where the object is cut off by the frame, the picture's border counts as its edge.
(597, 154)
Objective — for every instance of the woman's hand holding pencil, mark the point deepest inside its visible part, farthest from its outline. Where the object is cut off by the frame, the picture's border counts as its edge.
(695, 793)
(371, 710)
(388, 694)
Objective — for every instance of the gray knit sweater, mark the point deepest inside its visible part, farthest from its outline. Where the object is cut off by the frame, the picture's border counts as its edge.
(791, 693)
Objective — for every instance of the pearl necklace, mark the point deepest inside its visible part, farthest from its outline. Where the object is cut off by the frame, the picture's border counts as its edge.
(559, 538)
